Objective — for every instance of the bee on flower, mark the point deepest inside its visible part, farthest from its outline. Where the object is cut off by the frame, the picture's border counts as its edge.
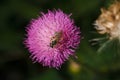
(52, 38)
(55, 39)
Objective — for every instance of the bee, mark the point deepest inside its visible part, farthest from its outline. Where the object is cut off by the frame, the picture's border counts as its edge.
(55, 39)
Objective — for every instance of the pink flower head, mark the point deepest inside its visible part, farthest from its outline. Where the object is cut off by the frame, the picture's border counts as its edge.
(52, 38)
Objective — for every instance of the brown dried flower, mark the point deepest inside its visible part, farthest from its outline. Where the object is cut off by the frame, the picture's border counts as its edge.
(109, 21)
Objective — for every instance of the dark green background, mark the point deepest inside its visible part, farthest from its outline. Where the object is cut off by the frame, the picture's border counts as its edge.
(15, 63)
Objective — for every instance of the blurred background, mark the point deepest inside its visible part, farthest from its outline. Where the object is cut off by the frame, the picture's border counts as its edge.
(15, 63)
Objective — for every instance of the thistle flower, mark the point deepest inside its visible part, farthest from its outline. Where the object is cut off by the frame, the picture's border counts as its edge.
(109, 21)
(52, 38)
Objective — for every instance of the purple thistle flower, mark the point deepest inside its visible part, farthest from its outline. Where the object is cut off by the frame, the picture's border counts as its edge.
(52, 38)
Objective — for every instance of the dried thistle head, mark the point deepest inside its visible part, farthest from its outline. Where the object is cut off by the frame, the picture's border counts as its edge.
(109, 21)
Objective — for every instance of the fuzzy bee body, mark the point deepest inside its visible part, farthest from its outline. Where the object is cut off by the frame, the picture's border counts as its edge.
(53, 43)
(55, 39)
